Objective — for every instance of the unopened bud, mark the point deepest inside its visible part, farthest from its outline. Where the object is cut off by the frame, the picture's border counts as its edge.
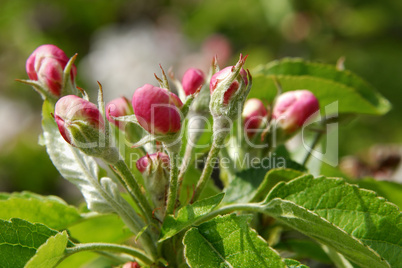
(155, 170)
(82, 125)
(157, 110)
(293, 108)
(229, 89)
(131, 265)
(254, 113)
(192, 80)
(118, 107)
(46, 65)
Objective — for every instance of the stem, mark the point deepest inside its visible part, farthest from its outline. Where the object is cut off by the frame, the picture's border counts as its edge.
(312, 146)
(192, 140)
(173, 184)
(136, 253)
(220, 133)
(133, 188)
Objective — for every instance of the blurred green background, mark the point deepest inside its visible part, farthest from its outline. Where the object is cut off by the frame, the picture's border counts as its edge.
(367, 33)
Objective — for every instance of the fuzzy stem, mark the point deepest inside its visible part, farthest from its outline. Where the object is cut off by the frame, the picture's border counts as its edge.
(132, 186)
(173, 184)
(192, 140)
(220, 127)
(136, 253)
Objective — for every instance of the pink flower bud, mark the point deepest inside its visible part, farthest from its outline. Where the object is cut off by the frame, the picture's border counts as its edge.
(192, 80)
(157, 110)
(118, 107)
(155, 170)
(254, 113)
(46, 65)
(71, 109)
(231, 88)
(153, 160)
(131, 265)
(293, 108)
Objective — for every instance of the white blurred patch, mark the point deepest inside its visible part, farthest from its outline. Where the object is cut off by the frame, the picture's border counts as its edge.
(125, 58)
(14, 118)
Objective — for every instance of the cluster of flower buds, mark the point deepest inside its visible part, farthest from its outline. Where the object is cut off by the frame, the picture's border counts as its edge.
(46, 65)
(155, 170)
(293, 108)
(82, 125)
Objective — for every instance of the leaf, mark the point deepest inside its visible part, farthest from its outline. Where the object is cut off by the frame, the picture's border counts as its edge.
(273, 177)
(294, 264)
(355, 222)
(392, 191)
(388, 189)
(20, 239)
(303, 248)
(93, 229)
(228, 241)
(326, 82)
(188, 215)
(50, 253)
(190, 180)
(246, 182)
(49, 210)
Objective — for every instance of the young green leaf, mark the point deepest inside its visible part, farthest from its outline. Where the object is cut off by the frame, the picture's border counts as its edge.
(92, 229)
(353, 221)
(326, 82)
(188, 215)
(50, 253)
(392, 191)
(21, 239)
(228, 241)
(247, 183)
(244, 184)
(273, 177)
(49, 210)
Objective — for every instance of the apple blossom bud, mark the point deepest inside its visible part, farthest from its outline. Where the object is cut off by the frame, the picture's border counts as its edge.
(131, 265)
(254, 113)
(192, 80)
(118, 107)
(150, 162)
(157, 110)
(82, 125)
(46, 65)
(229, 89)
(155, 170)
(293, 108)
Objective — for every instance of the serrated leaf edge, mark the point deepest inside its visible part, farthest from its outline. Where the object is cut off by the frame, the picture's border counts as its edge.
(337, 227)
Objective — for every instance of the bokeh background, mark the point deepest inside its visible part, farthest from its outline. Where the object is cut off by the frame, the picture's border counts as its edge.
(121, 43)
